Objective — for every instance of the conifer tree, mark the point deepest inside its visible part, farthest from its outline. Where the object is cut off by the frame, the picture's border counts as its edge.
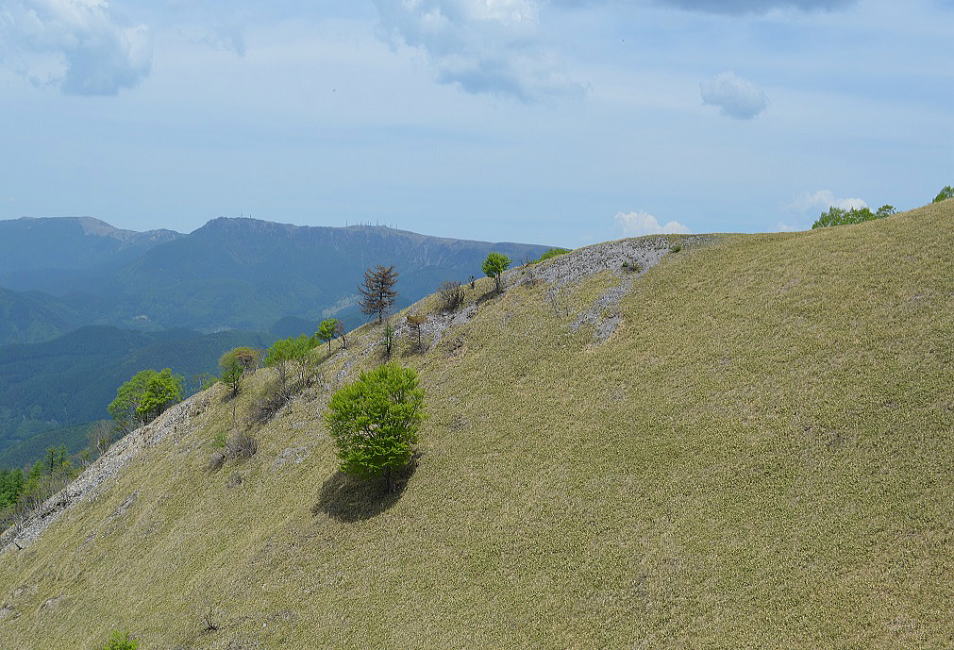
(377, 291)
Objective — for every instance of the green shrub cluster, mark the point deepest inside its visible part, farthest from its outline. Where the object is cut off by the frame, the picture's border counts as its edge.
(120, 641)
(840, 217)
(550, 254)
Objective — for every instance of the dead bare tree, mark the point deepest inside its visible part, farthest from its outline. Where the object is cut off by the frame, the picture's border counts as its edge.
(378, 292)
(415, 322)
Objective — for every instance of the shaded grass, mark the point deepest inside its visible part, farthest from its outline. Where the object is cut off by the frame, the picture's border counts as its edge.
(760, 456)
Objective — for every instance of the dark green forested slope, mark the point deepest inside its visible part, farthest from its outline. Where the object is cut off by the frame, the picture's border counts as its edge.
(48, 389)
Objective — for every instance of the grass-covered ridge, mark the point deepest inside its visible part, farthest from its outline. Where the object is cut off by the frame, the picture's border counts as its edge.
(759, 455)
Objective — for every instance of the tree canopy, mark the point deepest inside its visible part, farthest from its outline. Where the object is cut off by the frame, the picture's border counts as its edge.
(287, 351)
(946, 193)
(494, 265)
(328, 330)
(375, 421)
(840, 217)
(141, 399)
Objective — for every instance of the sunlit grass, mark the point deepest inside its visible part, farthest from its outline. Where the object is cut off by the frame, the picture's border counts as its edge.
(760, 456)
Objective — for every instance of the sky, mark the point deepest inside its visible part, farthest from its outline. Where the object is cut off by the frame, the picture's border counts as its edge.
(562, 122)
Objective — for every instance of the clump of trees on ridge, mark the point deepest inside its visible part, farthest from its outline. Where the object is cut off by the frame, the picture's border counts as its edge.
(840, 217)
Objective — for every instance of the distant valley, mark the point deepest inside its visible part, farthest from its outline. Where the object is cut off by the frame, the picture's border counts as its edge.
(83, 304)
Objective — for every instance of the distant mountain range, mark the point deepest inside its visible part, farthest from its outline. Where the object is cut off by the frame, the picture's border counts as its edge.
(84, 305)
(229, 274)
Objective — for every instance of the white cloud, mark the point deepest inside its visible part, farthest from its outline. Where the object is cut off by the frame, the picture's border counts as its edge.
(824, 199)
(483, 46)
(736, 97)
(634, 224)
(79, 45)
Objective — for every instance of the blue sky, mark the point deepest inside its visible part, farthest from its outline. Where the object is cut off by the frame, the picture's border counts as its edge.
(553, 121)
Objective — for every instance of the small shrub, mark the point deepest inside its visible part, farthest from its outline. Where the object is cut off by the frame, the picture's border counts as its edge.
(216, 460)
(675, 248)
(388, 340)
(120, 641)
(266, 404)
(209, 618)
(204, 381)
(633, 267)
(451, 295)
(550, 254)
(240, 445)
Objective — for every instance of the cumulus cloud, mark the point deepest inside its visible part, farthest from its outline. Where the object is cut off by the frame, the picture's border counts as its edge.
(756, 6)
(735, 97)
(634, 224)
(482, 46)
(824, 199)
(79, 45)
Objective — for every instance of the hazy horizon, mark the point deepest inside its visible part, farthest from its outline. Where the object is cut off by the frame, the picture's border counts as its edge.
(565, 121)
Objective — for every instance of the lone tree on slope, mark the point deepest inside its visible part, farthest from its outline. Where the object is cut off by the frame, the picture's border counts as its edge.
(377, 291)
(232, 371)
(374, 423)
(416, 322)
(328, 330)
(494, 265)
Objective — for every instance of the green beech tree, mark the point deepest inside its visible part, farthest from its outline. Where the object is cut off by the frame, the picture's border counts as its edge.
(141, 399)
(494, 265)
(375, 421)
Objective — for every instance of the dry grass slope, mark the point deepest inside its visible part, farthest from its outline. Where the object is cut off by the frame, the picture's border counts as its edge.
(759, 456)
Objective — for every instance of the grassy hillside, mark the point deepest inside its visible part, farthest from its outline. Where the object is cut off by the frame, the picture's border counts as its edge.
(759, 456)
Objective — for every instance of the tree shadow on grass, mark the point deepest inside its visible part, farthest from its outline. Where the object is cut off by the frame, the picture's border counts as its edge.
(489, 295)
(350, 499)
